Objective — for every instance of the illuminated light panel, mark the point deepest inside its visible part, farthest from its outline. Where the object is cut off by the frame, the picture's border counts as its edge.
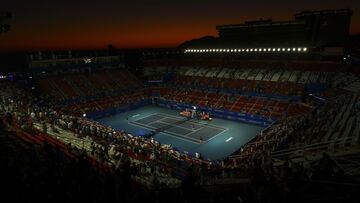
(294, 49)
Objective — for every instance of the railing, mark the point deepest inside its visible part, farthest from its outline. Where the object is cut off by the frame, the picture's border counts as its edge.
(297, 151)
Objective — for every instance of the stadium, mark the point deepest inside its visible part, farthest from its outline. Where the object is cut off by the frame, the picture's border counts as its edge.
(267, 111)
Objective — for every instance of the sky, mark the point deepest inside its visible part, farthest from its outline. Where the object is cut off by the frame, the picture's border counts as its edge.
(80, 24)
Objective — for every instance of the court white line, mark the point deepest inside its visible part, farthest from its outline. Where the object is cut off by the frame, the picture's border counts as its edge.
(230, 138)
(194, 121)
(180, 136)
(178, 126)
(166, 133)
(226, 129)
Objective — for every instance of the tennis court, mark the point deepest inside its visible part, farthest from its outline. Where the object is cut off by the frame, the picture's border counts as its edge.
(192, 130)
(220, 137)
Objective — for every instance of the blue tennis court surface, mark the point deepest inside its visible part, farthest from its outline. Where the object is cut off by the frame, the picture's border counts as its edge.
(220, 137)
(192, 130)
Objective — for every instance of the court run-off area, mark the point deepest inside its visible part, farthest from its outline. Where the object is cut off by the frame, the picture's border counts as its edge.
(220, 137)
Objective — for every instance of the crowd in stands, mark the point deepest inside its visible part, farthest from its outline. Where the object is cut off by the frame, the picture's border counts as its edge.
(265, 107)
(90, 85)
(243, 85)
(151, 169)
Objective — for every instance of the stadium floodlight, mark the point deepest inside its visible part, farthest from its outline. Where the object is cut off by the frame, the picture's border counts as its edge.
(206, 50)
(288, 49)
(247, 50)
(299, 49)
(251, 50)
(214, 50)
(278, 49)
(294, 49)
(217, 50)
(242, 49)
(260, 49)
(235, 50)
(269, 49)
(274, 49)
(283, 49)
(227, 50)
(220, 50)
(304, 49)
(255, 49)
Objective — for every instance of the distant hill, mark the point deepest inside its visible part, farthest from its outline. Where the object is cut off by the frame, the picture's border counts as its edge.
(200, 42)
